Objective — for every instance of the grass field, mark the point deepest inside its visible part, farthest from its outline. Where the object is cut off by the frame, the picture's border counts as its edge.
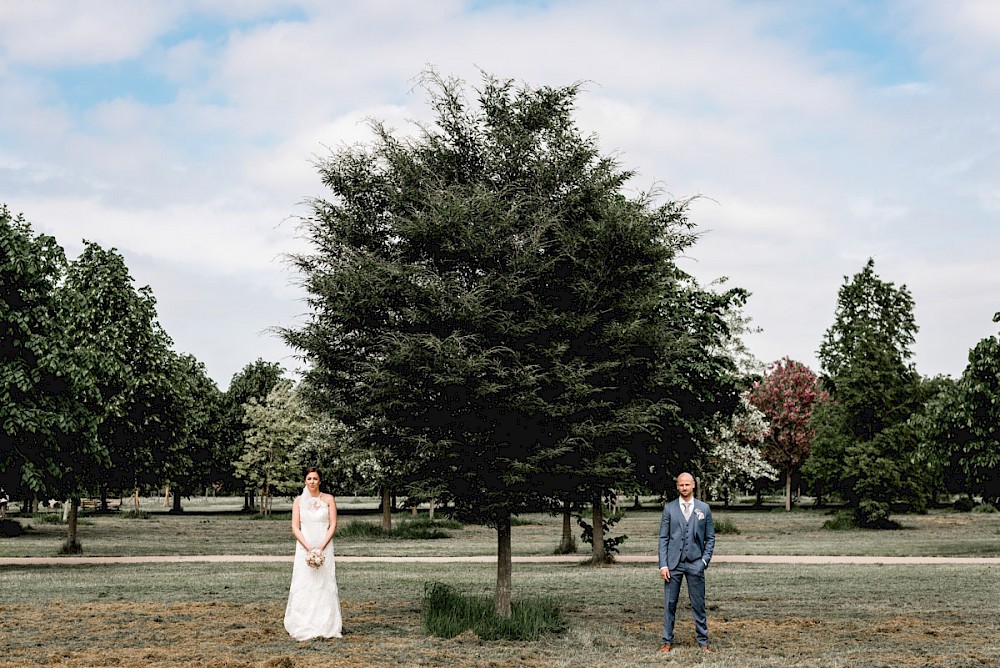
(229, 615)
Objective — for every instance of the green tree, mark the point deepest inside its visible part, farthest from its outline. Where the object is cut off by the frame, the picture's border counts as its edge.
(196, 415)
(961, 430)
(48, 396)
(865, 358)
(254, 381)
(275, 429)
(134, 367)
(489, 308)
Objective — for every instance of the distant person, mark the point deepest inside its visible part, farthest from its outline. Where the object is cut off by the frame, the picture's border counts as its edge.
(687, 540)
(4, 501)
(313, 609)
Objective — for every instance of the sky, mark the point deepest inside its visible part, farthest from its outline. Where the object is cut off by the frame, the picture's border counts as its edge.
(814, 135)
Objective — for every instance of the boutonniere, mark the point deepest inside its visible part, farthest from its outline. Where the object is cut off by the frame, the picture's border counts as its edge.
(701, 515)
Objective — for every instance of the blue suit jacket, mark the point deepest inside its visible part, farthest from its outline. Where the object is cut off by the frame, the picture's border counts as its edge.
(701, 539)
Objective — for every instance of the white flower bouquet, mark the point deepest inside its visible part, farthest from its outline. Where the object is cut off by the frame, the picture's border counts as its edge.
(315, 558)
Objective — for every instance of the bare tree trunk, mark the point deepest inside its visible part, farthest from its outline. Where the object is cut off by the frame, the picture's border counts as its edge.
(176, 508)
(72, 545)
(386, 509)
(135, 500)
(566, 544)
(166, 496)
(503, 592)
(430, 510)
(788, 490)
(599, 555)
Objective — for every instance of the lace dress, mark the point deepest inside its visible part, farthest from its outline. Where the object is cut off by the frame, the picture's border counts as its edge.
(313, 609)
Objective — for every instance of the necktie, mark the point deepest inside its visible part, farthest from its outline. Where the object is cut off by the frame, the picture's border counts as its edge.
(687, 510)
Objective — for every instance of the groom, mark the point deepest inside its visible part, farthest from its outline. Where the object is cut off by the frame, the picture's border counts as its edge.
(687, 539)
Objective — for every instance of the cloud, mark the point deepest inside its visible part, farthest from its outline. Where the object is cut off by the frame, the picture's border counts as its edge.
(810, 158)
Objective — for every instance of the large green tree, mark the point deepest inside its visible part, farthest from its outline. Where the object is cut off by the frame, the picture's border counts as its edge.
(251, 383)
(49, 400)
(490, 308)
(961, 427)
(863, 446)
(276, 428)
(134, 367)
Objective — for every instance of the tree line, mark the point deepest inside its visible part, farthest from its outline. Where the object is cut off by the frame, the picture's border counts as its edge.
(94, 400)
(497, 323)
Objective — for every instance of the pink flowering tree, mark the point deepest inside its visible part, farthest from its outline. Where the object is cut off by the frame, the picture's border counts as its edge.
(786, 396)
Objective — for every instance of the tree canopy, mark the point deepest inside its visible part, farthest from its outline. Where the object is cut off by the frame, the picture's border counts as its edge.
(864, 449)
(489, 308)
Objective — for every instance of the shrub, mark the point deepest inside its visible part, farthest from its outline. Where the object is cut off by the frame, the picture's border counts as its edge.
(284, 517)
(964, 504)
(520, 522)
(136, 514)
(726, 527)
(10, 528)
(568, 548)
(418, 529)
(842, 520)
(611, 543)
(985, 508)
(447, 613)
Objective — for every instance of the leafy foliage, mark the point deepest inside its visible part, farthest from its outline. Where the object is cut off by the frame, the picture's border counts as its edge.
(736, 461)
(611, 543)
(961, 429)
(49, 400)
(276, 427)
(786, 395)
(865, 446)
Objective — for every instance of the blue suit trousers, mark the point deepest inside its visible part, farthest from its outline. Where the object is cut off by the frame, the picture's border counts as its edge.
(694, 573)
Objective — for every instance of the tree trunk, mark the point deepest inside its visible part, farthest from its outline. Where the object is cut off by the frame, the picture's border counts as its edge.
(386, 509)
(503, 566)
(430, 510)
(599, 556)
(166, 496)
(72, 545)
(788, 490)
(566, 545)
(135, 500)
(177, 503)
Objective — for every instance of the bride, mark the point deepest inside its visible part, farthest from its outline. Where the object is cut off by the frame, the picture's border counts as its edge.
(313, 609)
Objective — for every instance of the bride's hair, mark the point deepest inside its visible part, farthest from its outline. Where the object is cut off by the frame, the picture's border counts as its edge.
(313, 469)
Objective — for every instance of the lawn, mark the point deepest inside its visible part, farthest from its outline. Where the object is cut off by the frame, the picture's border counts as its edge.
(216, 527)
(228, 615)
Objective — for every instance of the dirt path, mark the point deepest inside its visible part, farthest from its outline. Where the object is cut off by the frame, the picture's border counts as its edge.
(720, 559)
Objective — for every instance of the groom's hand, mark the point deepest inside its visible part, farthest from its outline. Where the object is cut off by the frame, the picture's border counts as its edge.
(665, 574)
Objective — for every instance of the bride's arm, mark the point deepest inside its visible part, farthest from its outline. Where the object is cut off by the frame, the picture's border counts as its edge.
(296, 529)
(332, 529)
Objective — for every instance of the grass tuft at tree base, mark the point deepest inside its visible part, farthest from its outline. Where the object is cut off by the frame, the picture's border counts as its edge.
(448, 613)
(726, 528)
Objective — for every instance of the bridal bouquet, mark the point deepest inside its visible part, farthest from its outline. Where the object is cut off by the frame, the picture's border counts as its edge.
(315, 558)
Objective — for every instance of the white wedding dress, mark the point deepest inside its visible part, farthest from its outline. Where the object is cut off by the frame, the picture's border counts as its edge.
(313, 609)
